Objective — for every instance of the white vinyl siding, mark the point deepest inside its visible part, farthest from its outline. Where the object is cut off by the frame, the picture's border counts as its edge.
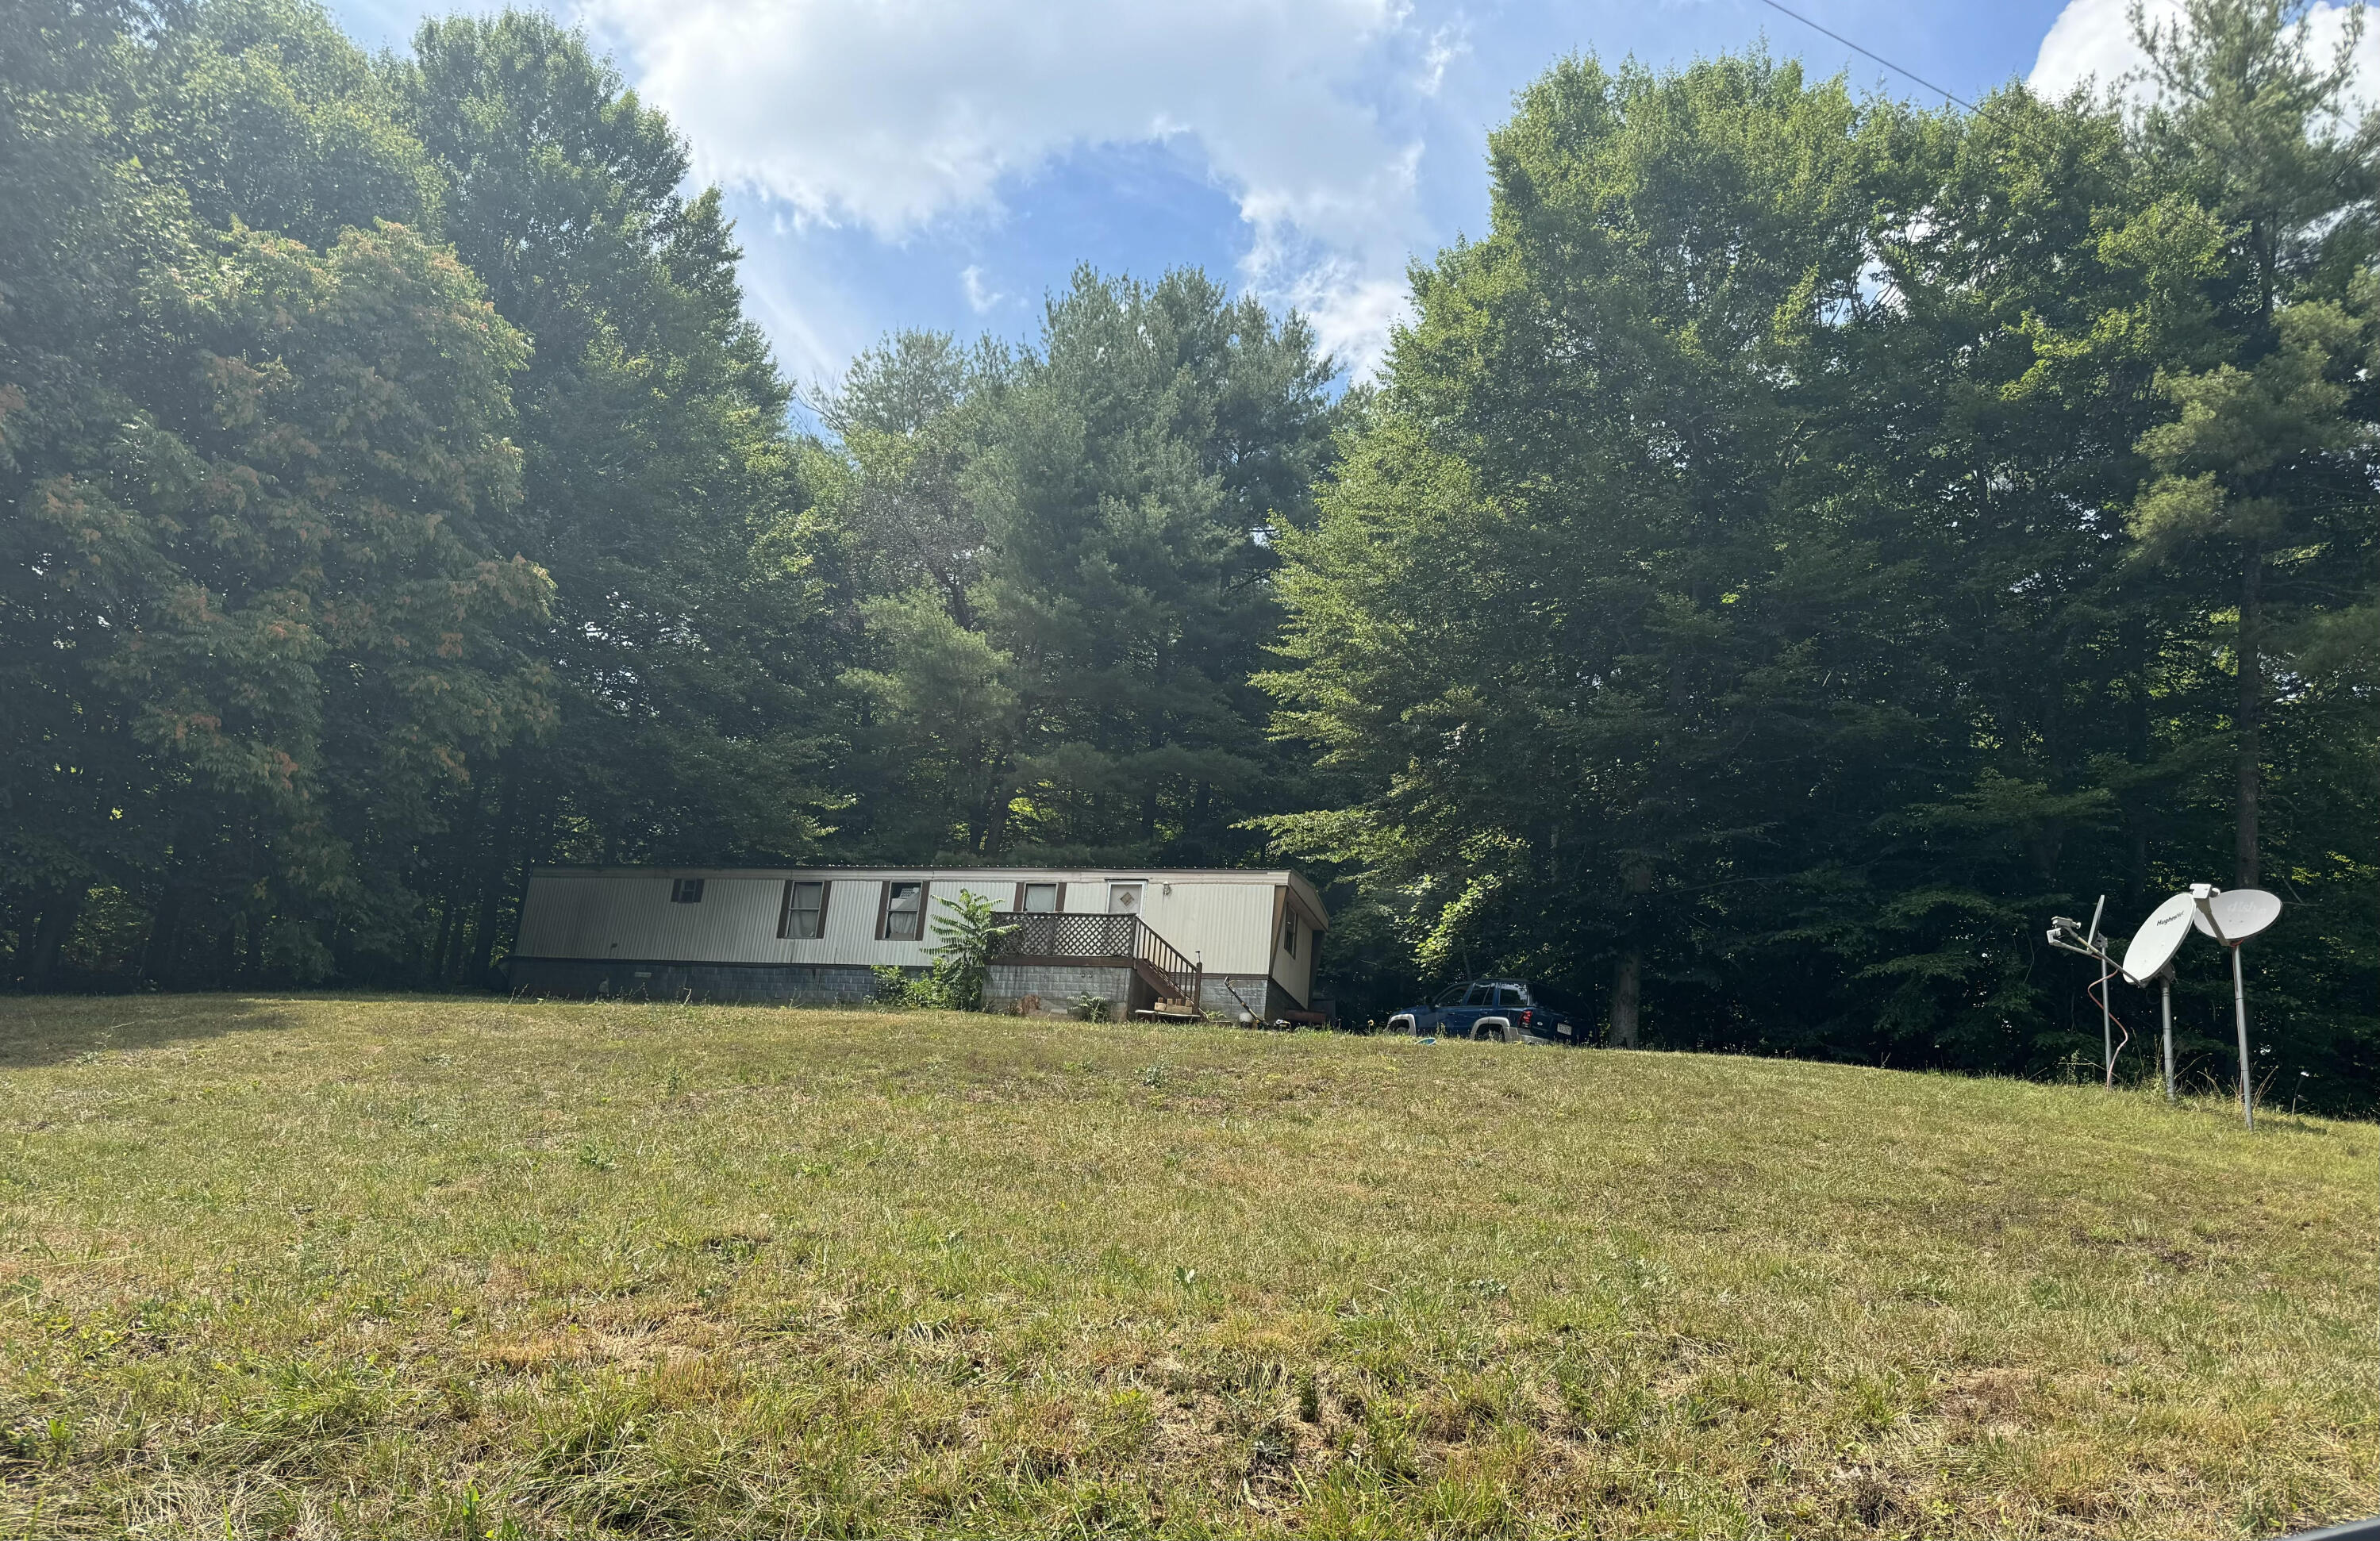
(572, 916)
(1226, 920)
(1226, 926)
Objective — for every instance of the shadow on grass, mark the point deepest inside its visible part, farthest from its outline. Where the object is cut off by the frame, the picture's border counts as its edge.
(50, 1029)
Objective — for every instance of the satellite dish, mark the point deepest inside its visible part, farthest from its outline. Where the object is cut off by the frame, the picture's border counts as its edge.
(2238, 915)
(2153, 944)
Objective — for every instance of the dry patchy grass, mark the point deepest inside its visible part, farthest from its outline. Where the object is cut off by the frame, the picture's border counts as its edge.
(335, 1266)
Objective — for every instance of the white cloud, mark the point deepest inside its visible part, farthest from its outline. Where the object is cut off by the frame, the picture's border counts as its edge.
(1353, 314)
(897, 114)
(1352, 306)
(980, 295)
(1446, 45)
(2092, 40)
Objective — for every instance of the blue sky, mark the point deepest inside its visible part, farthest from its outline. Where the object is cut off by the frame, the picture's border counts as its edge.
(947, 162)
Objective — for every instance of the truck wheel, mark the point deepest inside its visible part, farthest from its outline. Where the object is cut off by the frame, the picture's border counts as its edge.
(1493, 1029)
(1404, 1023)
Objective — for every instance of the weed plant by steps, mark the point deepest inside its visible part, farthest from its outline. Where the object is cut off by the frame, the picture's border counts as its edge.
(370, 1267)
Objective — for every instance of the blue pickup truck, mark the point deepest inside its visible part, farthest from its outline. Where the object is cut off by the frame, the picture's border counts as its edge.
(1500, 1011)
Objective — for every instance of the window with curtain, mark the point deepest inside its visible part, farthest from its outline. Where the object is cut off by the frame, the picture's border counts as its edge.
(805, 916)
(904, 912)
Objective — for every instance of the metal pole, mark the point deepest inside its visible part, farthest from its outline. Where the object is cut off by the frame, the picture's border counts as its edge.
(2167, 981)
(2107, 1011)
(2239, 1008)
(2107, 1028)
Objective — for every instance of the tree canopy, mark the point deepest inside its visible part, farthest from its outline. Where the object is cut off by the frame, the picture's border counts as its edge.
(1060, 559)
(1808, 542)
(1802, 545)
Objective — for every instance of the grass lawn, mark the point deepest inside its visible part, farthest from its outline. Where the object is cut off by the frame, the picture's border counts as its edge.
(361, 1266)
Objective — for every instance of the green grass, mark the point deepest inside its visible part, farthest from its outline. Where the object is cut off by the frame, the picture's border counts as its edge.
(336, 1266)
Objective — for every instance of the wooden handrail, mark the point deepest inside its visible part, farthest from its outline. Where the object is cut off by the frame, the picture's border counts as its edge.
(1041, 934)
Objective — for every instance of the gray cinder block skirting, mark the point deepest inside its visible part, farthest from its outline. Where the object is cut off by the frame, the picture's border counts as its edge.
(1055, 986)
(642, 980)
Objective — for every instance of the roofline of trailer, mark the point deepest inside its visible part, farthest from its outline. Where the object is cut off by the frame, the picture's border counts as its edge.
(1296, 881)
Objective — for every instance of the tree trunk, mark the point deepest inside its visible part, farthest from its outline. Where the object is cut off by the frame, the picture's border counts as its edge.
(2251, 715)
(256, 944)
(1628, 980)
(445, 935)
(1149, 797)
(226, 951)
(501, 840)
(450, 968)
(469, 827)
(987, 829)
(531, 836)
(2136, 750)
(1625, 982)
(61, 907)
(158, 958)
(483, 927)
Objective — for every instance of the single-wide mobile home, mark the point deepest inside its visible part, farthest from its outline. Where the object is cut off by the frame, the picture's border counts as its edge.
(1231, 941)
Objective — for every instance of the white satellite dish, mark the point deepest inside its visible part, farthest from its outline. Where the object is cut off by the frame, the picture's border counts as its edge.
(2154, 944)
(2236, 915)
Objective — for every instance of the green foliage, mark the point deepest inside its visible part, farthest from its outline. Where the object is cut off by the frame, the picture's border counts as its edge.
(258, 612)
(967, 934)
(941, 988)
(690, 655)
(397, 494)
(1787, 559)
(1805, 543)
(1059, 558)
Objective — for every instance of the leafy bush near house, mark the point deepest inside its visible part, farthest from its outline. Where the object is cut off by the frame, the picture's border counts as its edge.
(967, 933)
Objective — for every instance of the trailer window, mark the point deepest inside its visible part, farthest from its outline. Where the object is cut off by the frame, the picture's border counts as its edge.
(686, 891)
(805, 916)
(1040, 898)
(1288, 934)
(904, 912)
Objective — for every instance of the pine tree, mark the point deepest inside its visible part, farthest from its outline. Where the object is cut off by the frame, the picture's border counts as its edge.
(2259, 257)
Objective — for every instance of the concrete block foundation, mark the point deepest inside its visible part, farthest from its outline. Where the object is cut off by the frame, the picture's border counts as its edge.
(1056, 986)
(633, 979)
(1227, 995)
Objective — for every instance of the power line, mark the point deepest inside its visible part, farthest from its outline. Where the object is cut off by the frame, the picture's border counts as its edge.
(1867, 53)
(2022, 130)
